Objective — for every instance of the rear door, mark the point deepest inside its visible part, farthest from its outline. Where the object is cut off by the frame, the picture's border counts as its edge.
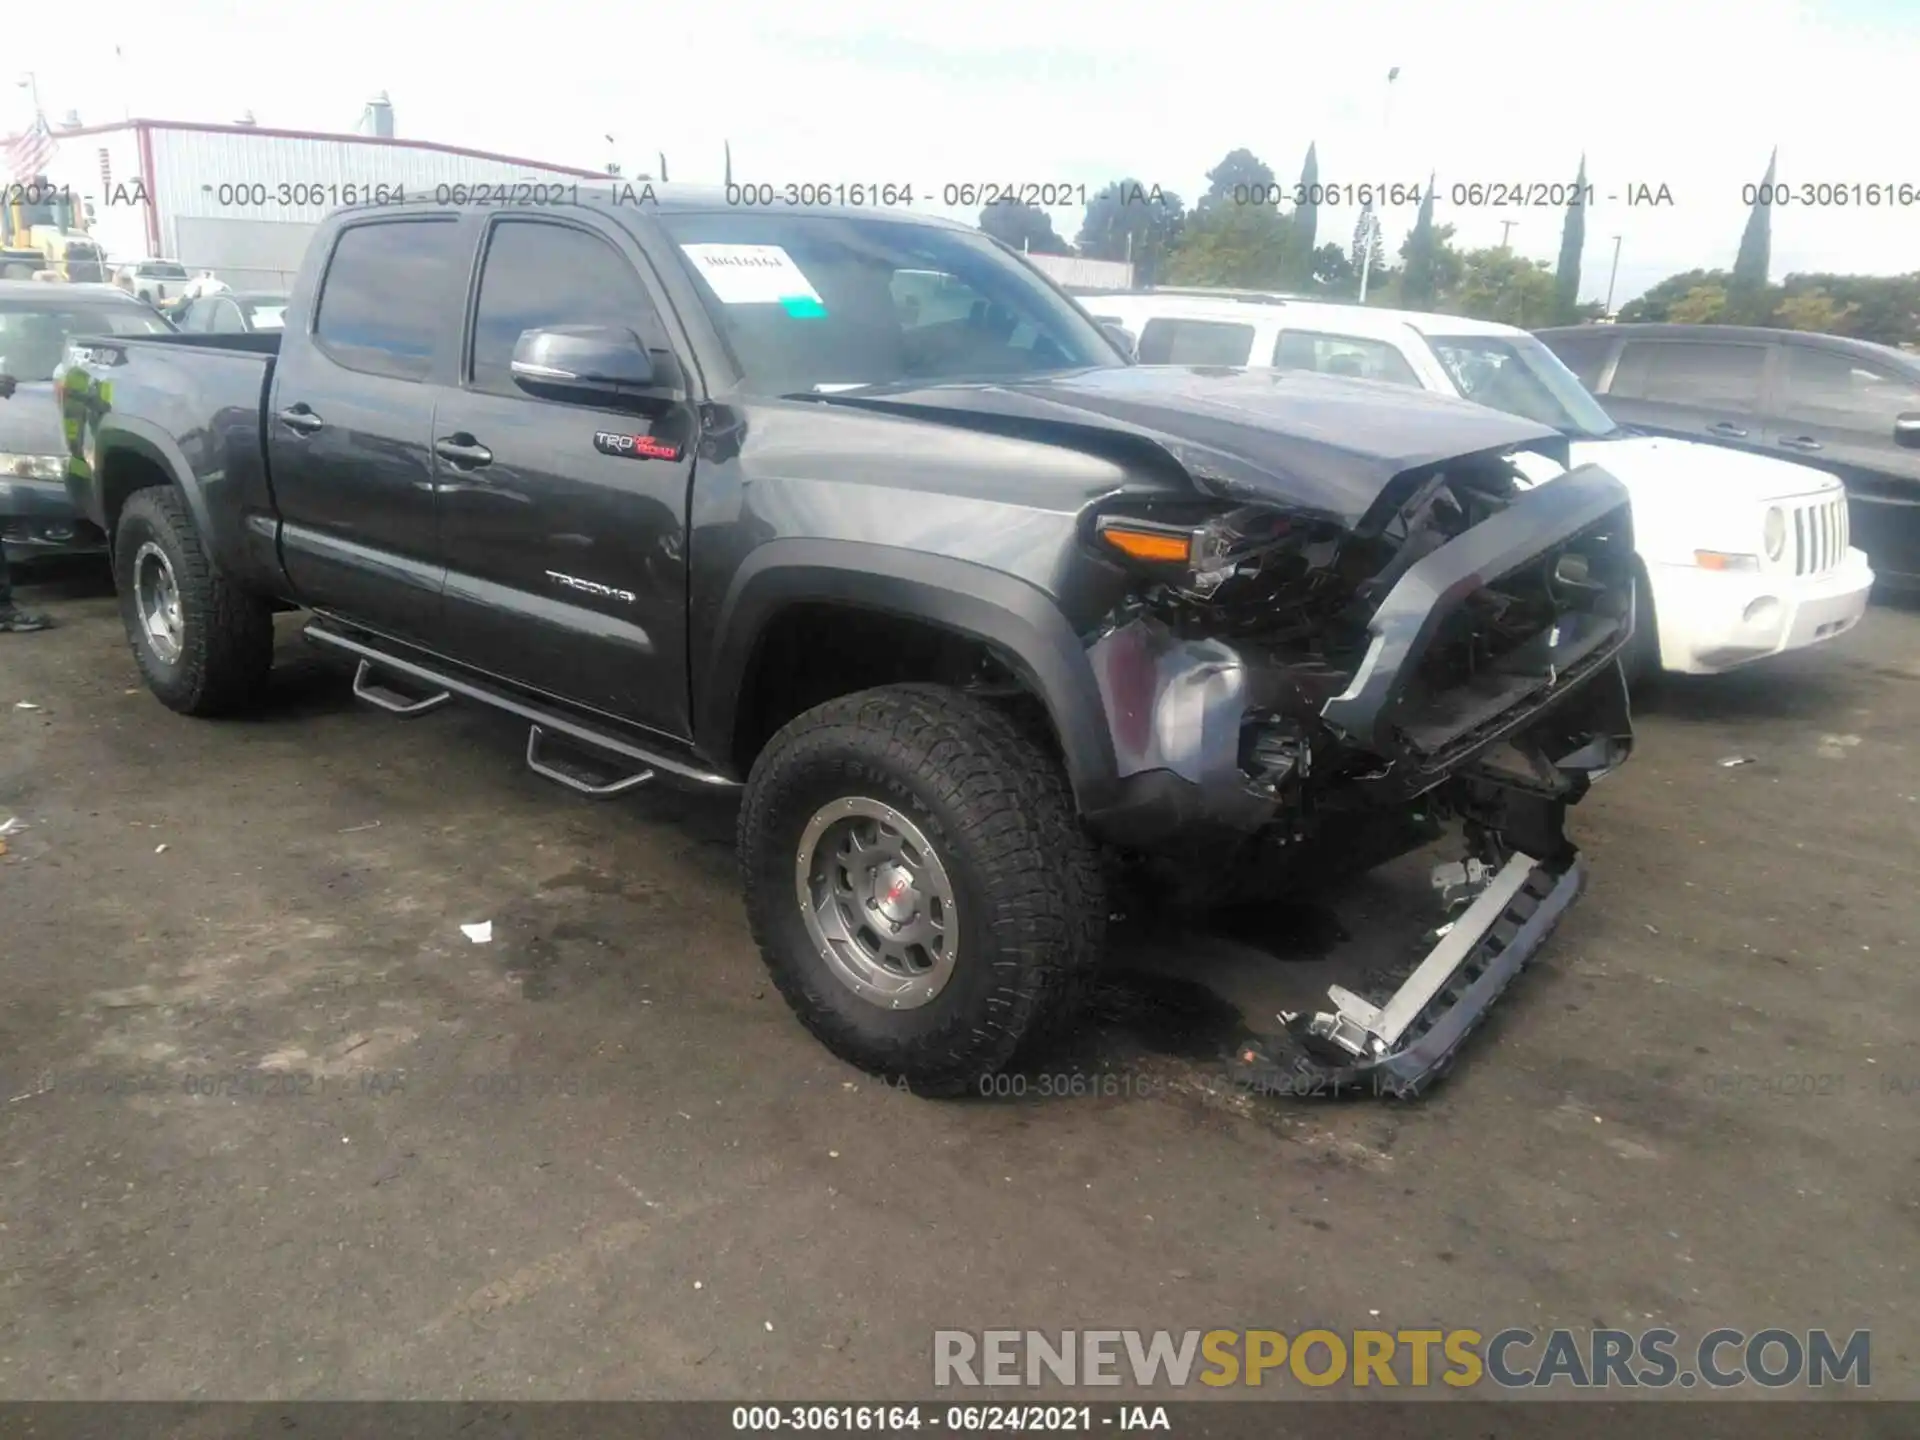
(1697, 389)
(350, 422)
(566, 555)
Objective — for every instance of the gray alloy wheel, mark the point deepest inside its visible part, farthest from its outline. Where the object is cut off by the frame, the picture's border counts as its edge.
(157, 600)
(877, 902)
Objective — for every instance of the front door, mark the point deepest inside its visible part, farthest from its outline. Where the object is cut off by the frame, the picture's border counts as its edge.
(564, 523)
(350, 422)
(1696, 389)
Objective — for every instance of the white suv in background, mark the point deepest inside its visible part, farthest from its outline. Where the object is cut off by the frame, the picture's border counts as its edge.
(1744, 556)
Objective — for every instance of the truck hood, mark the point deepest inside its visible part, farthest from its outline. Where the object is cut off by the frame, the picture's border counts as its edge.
(1323, 444)
(1706, 475)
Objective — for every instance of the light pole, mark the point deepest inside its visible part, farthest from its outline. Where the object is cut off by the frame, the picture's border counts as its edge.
(1506, 229)
(1614, 275)
(31, 84)
(1373, 229)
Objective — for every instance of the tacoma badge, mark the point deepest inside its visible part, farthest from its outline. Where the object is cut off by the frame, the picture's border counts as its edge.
(591, 587)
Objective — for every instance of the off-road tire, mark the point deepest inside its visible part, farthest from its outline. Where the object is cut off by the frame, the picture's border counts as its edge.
(227, 634)
(1027, 882)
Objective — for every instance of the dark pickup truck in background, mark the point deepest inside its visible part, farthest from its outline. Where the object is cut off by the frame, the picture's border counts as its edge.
(858, 514)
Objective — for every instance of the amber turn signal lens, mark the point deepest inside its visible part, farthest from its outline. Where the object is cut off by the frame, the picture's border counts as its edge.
(1149, 544)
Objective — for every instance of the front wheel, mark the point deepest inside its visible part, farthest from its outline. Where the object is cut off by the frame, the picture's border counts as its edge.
(204, 645)
(919, 884)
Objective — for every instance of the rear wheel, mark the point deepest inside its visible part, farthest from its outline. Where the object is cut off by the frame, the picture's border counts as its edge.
(919, 884)
(204, 645)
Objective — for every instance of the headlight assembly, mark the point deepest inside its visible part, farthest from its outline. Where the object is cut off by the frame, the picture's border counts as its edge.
(1775, 532)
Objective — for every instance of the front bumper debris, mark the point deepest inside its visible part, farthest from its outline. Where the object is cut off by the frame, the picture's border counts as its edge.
(1399, 1047)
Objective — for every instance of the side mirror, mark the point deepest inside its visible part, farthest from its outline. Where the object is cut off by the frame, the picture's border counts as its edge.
(1123, 337)
(594, 361)
(1906, 430)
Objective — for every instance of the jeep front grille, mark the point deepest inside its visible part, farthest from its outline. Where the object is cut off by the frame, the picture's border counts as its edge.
(1819, 534)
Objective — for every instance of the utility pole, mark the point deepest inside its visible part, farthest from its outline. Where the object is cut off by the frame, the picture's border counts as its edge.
(1373, 230)
(1506, 229)
(1615, 275)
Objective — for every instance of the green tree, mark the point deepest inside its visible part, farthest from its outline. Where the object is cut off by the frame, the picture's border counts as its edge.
(1242, 170)
(1573, 241)
(1495, 284)
(1332, 270)
(1024, 227)
(1306, 215)
(1249, 246)
(1746, 289)
(1431, 266)
(1702, 305)
(1656, 304)
(1882, 308)
(1813, 309)
(1128, 220)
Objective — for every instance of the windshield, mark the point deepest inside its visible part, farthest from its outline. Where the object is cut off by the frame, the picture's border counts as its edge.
(164, 272)
(34, 334)
(823, 303)
(1521, 376)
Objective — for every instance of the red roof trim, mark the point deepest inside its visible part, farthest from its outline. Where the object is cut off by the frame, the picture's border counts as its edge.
(151, 125)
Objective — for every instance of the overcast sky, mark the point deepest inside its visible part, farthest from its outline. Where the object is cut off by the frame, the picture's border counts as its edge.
(1653, 91)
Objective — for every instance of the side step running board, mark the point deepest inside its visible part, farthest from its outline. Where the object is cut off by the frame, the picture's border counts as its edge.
(545, 725)
(572, 781)
(366, 688)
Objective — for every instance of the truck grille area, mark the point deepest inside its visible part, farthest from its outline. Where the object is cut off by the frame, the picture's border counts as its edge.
(1516, 643)
(1820, 535)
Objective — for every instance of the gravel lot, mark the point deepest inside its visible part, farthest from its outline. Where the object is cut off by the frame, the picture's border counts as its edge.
(273, 1126)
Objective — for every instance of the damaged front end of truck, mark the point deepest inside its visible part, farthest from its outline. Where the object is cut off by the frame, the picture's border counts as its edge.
(1293, 694)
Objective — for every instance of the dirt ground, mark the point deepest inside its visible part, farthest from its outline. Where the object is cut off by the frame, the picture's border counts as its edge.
(272, 1126)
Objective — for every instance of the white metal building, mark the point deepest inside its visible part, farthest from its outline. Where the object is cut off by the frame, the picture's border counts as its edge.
(243, 200)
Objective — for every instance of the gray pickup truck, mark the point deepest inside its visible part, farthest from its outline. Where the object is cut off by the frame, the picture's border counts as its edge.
(859, 515)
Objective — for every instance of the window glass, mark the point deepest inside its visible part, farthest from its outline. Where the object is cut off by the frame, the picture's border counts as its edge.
(1584, 355)
(1837, 389)
(1343, 355)
(268, 317)
(1690, 372)
(34, 333)
(1195, 342)
(816, 303)
(381, 302)
(539, 274)
(1523, 377)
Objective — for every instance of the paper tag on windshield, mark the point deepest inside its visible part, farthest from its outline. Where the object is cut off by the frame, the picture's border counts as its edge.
(752, 274)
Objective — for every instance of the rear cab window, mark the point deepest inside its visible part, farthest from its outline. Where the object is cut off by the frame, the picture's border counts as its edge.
(383, 300)
(1195, 342)
(1351, 355)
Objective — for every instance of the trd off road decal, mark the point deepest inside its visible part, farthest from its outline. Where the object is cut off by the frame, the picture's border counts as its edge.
(634, 447)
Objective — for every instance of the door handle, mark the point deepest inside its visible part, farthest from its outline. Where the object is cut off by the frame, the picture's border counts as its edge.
(301, 419)
(1799, 442)
(462, 451)
(1730, 431)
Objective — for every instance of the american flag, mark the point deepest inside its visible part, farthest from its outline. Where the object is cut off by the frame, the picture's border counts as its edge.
(29, 153)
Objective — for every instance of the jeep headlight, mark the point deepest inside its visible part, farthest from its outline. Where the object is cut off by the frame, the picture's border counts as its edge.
(1774, 532)
(33, 467)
